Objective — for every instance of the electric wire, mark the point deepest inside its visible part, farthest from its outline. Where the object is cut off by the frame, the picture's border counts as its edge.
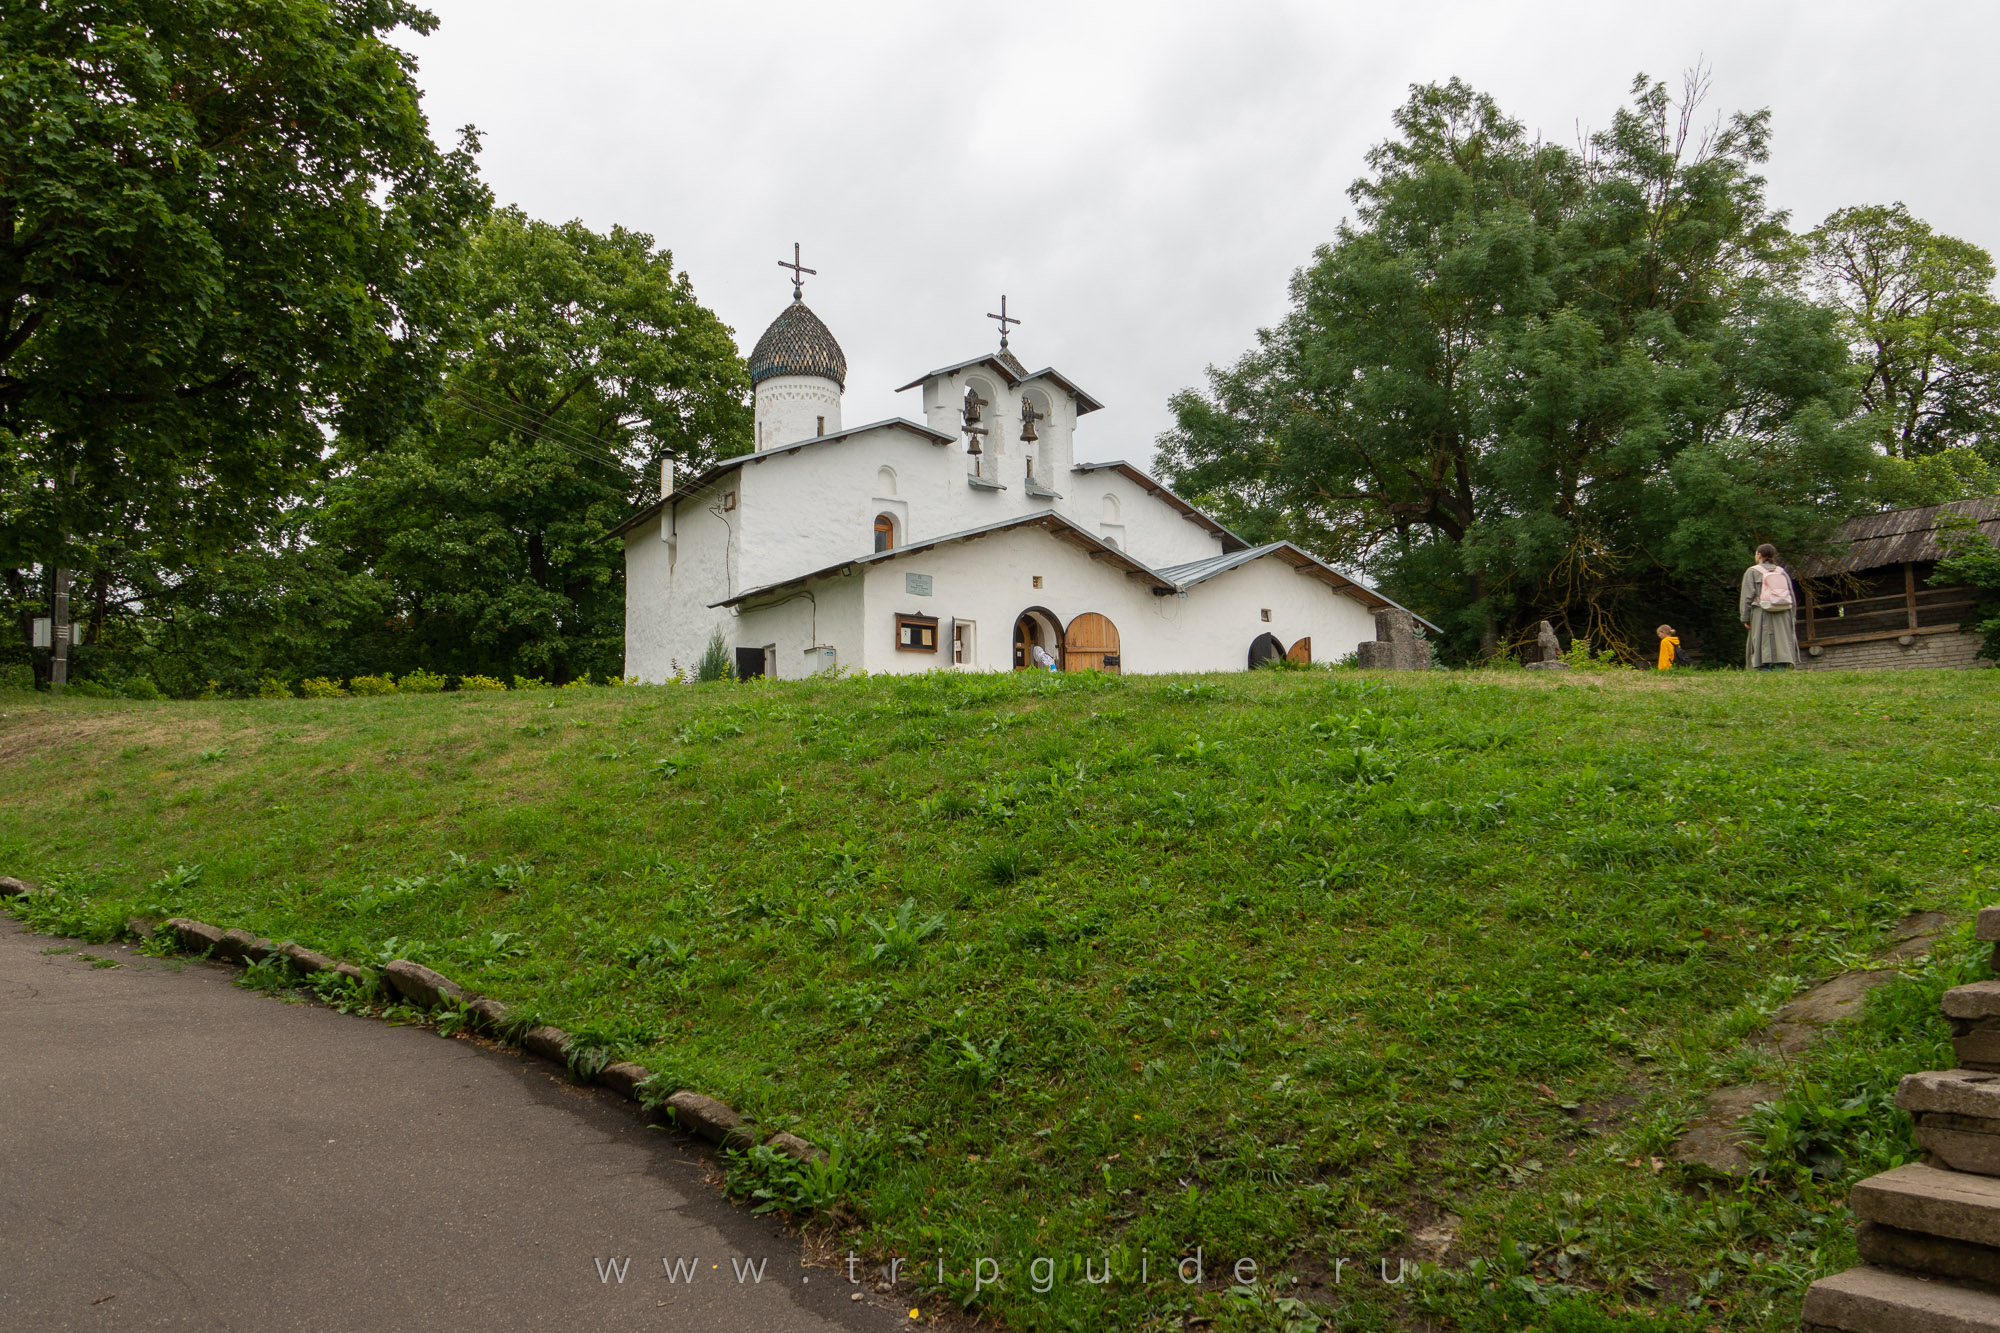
(524, 420)
(548, 438)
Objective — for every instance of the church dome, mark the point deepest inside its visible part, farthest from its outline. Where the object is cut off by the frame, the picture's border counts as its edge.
(797, 343)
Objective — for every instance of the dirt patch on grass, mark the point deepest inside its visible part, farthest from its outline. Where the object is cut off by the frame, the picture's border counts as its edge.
(32, 733)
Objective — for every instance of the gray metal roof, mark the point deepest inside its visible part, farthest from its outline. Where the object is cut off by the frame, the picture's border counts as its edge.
(798, 343)
(1049, 520)
(1305, 562)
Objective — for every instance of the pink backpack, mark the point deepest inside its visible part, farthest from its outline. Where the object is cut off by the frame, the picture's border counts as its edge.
(1775, 592)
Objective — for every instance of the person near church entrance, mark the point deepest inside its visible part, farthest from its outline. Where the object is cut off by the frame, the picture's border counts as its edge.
(1766, 606)
(1042, 658)
(1670, 647)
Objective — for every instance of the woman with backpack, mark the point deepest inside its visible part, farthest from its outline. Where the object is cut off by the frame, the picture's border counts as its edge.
(1767, 608)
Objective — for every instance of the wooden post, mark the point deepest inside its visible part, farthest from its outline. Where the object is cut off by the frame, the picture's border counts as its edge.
(1910, 591)
(59, 635)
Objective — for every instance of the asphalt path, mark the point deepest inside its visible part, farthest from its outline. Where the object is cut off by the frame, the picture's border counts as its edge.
(179, 1152)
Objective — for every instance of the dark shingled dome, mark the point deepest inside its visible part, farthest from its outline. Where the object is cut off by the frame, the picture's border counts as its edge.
(798, 344)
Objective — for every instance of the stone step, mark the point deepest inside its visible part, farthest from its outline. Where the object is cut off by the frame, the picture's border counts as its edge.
(1987, 927)
(1875, 1300)
(1961, 1142)
(1931, 1202)
(1981, 999)
(1971, 1092)
(1977, 1047)
(1928, 1256)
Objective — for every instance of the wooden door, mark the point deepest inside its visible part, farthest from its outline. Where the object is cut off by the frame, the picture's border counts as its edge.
(1091, 644)
(1301, 652)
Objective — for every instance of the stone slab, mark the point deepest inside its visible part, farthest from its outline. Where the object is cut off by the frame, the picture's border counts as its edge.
(548, 1042)
(1987, 925)
(243, 947)
(305, 961)
(1955, 1204)
(624, 1078)
(491, 1014)
(1875, 1300)
(421, 986)
(715, 1121)
(1961, 1142)
(1970, 1092)
(1978, 1049)
(1932, 1256)
(195, 936)
(1981, 999)
(1712, 1145)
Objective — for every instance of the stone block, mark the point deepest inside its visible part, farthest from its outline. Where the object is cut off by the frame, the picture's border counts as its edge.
(240, 946)
(14, 888)
(547, 1042)
(1951, 1092)
(1978, 1049)
(1961, 1142)
(796, 1148)
(1981, 999)
(1953, 1204)
(713, 1120)
(305, 961)
(195, 936)
(421, 986)
(1987, 926)
(489, 1014)
(1935, 1256)
(1875, 1300)
(138, 928)
(1399, 644)
(624, 1078)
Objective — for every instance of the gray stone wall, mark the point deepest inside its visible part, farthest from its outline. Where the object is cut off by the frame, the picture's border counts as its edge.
(1949, 651)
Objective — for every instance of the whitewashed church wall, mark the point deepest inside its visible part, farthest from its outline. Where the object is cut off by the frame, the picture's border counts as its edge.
(826, 614)
(669, 585)
(789, 408)
(1221, 618)
(1155, 533)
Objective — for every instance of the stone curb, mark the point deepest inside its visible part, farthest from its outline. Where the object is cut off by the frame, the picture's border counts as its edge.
(714, 1120)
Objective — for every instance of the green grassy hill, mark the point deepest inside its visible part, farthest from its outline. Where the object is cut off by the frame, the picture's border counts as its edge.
(1299, 967)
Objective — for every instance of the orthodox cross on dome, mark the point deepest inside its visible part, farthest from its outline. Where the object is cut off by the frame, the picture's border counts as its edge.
(799, 291)
(1004, 318)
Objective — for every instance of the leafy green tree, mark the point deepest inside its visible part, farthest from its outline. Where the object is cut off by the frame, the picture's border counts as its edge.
(584, 362)
(1529, 381)
(1918, 311)
(224, 230)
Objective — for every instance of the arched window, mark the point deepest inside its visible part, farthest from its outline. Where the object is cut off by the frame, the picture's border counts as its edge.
(1111, 509)
(885, 483)
(885, 532)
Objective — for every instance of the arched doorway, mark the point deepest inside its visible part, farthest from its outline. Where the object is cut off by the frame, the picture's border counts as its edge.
(1091, 644)
(1267, 649)
(1301, 652)
(1037, 627)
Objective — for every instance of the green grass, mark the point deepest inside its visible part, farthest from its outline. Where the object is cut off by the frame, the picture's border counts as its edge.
(1294, 967)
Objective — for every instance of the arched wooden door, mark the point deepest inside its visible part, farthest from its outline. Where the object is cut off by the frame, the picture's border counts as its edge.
(1091, 644)
(1267, 649)
(1301, 652)
(1036, 627)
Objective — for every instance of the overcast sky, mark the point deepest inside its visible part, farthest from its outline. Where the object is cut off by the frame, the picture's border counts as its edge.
(1141, 180)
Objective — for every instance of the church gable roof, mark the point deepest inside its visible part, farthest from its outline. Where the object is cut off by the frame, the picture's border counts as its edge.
(798, 343)
(1010, 369)
(1051, 522)
(1153, 487)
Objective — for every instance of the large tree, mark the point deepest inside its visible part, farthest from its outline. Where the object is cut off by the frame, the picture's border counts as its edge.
(225, 232)
(585, 361)
(1917, 308)
(1531, 381)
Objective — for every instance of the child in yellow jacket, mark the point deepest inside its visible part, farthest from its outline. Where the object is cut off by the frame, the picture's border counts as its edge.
(1670, 646)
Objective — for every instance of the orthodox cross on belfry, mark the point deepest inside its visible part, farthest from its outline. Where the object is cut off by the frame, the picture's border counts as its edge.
(799, 292)
(1005, 319)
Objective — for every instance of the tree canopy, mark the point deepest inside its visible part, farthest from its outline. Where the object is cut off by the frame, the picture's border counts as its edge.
(1531, 380)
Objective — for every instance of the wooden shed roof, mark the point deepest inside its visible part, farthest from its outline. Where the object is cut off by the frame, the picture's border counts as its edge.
(1897, 536)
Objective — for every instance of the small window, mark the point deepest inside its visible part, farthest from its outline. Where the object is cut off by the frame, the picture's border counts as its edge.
(1267, 615)
(885, 532)
(916, 634)
(1031, 467)
(961, 642)
(729, 499)
(822, 425)
(1038, 580)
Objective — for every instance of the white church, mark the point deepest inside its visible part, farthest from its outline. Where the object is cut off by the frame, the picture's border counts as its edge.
(971, 540)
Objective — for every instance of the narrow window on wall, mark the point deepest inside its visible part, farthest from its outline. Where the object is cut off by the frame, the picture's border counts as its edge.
(822, 425)
(961, 642)
(885, 533)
